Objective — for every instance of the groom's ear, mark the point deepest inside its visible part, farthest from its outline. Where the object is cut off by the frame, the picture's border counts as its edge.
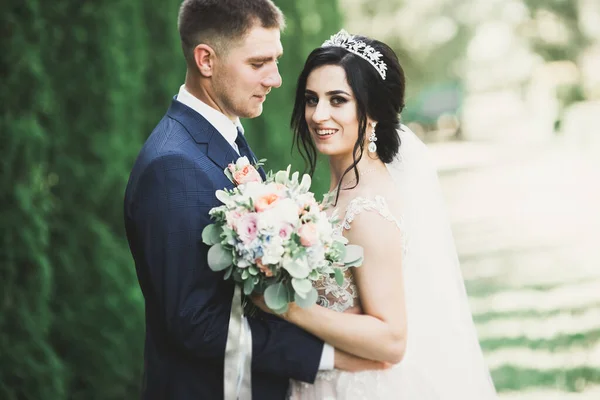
(204, 56)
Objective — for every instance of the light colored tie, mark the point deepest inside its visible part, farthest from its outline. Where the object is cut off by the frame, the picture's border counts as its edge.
(238, 354)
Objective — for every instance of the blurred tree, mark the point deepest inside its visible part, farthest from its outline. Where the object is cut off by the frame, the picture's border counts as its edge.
(77, 106)
(84, 85)
(30, 368)
(430, 41)
(557, 35)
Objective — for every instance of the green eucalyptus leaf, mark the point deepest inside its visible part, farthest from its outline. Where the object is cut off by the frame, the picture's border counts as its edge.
(276, 296)
(228, 272)
(222, 196)
(353, 253)
(248, 286)
(294, 179)
(305, 184)
(339, 276)
(281, 310)
(296, 269)
(339, 248)
(314, 275)
(355, 264)
(211, 234)
(219, 257)
(340, 239)
(309, 300)
(302, 286)
(228, 174)
(281, 177)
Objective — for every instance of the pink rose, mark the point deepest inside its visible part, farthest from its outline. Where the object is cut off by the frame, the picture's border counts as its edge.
(285, 232)
(246, 174)
(247, 228)
(309, 235)
(232, 218)
(265, 202)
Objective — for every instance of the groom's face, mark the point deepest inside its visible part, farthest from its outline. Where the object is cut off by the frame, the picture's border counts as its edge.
(247, 72)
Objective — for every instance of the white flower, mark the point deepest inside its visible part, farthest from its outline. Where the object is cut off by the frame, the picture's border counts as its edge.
(242, 162)
(316, 256)
(273, 250)
(270, 221)
(287, 210)
(324, 228)
(254, 190)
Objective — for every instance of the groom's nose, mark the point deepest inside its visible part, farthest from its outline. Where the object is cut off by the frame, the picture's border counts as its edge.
(273, 79)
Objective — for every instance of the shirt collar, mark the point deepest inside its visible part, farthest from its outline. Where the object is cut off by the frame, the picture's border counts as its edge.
(222, 124)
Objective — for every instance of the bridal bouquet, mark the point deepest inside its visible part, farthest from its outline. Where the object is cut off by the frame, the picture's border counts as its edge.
(274, 238)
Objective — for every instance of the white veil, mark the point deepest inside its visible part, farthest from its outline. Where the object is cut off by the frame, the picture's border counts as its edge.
(442, 347)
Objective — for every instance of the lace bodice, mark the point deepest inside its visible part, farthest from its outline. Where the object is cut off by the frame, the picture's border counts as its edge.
(336, 384)
(341, 298)
(360, 204)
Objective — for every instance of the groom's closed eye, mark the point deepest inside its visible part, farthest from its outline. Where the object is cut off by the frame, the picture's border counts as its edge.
(258, 62)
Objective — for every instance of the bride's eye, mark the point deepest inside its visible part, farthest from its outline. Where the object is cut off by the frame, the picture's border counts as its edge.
(311, 100)
(337, 100)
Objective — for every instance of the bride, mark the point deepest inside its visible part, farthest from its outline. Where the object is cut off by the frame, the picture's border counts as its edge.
(406, 305)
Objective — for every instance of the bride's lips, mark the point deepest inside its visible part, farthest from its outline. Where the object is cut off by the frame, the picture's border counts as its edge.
(323, 133)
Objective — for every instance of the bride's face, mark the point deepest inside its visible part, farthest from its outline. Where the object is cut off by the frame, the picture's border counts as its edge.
(330, 111)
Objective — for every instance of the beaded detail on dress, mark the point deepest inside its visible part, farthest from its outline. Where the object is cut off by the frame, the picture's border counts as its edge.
(340, 298)
(336, 384)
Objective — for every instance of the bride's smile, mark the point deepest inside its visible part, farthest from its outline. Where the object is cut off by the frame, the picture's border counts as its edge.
(330, 111)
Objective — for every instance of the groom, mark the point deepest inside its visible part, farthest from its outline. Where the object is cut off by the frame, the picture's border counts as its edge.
(231, 49)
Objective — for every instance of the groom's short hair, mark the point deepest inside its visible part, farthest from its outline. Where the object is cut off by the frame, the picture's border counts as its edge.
(217, 23)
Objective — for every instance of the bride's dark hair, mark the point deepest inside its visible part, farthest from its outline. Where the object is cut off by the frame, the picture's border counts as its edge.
(381, 100)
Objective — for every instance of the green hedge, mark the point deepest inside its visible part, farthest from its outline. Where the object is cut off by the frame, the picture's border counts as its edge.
(83, 85)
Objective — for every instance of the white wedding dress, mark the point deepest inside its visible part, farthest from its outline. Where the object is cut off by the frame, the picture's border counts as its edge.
(443, 359)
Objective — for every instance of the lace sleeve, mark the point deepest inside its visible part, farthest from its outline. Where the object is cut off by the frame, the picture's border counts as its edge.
(341, 298)
(360, 204)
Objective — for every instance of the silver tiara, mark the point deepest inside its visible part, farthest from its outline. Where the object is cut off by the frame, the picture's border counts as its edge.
(346, 41)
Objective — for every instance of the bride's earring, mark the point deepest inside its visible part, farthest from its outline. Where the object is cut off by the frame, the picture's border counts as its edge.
(373, 139)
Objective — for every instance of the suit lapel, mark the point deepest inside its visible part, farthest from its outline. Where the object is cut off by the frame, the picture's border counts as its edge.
(218, 149)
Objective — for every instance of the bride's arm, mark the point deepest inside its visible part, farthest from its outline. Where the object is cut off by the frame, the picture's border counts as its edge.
(380, 333)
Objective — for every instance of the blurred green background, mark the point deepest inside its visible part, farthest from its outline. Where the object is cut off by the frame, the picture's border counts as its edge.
(494, 87)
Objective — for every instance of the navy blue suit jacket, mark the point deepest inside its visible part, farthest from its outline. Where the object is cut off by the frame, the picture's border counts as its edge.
(170, 191)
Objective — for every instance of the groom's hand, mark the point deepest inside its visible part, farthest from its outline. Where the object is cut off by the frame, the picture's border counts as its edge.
(351, 363)
(259, 301)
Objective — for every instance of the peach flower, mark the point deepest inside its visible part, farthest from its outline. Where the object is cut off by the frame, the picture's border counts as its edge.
(309, 235)
(265, 202)
(245, 174)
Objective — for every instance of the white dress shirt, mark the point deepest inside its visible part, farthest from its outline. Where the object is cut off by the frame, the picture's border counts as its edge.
(228, 129)
(216, 118)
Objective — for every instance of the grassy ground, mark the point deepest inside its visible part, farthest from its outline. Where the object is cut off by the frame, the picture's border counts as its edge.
(527, 227)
